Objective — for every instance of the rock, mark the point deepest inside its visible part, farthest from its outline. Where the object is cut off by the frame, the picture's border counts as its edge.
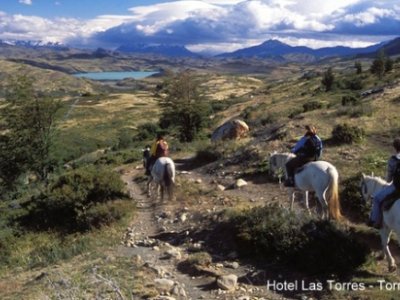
(234, 129)
(163, 285)
(220, 187)
(233, 265)
(179, 291)
(162, 298)
(227, 282)
(173, 252)
(137, 259)
(198, 180)
(240, 182)
(183, 217)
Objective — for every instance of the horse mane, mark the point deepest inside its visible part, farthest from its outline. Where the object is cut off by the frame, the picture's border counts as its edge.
(376, 178)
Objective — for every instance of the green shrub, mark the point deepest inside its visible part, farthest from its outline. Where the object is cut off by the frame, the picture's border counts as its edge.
(269, 119)
(295, 112)
(312, 105)
(208, 154)
(350, 100)
(346, 134)
(72, 202)
(351, 200)
(276, 234)
(147, 131)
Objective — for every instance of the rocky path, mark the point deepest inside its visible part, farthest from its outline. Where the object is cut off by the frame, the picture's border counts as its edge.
(147, 242)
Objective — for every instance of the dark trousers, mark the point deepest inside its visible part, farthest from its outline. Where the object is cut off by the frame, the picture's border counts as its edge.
(149, 164)
(296, 163)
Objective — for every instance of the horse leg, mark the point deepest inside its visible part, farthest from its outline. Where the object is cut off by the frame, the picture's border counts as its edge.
(170, 190)
(324, 205)
(385, 233)
(149, 180)
(306, 202)
(293, 195)
(162, 192)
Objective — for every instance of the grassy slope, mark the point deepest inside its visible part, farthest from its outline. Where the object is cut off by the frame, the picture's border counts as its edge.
(96, 121)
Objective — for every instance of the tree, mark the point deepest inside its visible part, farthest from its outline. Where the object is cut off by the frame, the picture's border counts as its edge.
(388, 65)
(358, 67)
(378, 65)
(328, 79)
(29, 126)
(184, 107)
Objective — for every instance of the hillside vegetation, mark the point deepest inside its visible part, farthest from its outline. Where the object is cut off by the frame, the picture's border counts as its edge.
(66, 226)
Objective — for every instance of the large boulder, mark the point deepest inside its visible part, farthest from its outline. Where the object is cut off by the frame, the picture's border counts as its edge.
(234, 129)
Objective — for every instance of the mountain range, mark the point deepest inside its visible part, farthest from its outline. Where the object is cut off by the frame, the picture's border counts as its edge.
(270, 49)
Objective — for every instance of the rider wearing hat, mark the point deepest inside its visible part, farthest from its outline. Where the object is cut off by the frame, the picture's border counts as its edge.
(307, 149)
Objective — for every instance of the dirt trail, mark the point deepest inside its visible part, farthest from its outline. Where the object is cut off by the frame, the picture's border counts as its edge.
(157, 223)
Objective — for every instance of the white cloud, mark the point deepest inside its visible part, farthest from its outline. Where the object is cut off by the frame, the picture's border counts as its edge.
(27, 2)
(221, 24)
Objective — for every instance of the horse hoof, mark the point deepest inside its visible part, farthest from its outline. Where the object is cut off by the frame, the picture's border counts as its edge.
(392, 268)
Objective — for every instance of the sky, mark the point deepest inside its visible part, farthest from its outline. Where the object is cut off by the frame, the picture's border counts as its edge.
(204, 26)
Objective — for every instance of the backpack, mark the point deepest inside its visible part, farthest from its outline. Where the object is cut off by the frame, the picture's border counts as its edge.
(313, 147)
(162, 149)
(396, 174)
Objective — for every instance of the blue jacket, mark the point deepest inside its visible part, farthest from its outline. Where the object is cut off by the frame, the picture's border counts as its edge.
(300, 147)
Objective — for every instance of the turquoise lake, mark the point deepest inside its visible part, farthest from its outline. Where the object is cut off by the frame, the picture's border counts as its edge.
(116, 75)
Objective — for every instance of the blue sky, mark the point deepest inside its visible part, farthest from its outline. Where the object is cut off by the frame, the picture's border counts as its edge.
(201, 25)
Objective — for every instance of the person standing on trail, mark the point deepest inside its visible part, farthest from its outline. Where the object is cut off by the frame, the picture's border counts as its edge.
(392, 176)
(307, 149)
(158, 149)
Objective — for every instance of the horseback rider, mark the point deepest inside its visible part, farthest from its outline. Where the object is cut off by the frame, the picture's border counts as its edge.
(158, 149)
(307, 149)
(386, 193)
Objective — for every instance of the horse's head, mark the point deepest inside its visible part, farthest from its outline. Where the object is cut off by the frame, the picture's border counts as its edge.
(370, 185)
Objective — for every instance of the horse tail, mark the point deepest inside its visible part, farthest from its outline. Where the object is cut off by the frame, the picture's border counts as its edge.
(332, 190)
(167, 174)
(169, 180)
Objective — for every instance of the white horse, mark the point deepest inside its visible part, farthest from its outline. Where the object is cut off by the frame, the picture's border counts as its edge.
(163, 175)
(277, 162)
(391, 218)
(322, 178)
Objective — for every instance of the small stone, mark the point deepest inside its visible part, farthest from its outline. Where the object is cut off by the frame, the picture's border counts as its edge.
(163, 285)
(220, 187)
(227, 282)
(240, 183)
(173, 253)
(137, 259)
(198, 180)
(183, 217)
(233, 265)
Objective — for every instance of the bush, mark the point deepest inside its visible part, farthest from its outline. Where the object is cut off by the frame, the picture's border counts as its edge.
(76, 201)
(346, 134)
(279, 235)
(147, 131)
(295, 113)
(269, 119)
(350, 100)
(208, 154)
(351, 200)
(312, 105)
